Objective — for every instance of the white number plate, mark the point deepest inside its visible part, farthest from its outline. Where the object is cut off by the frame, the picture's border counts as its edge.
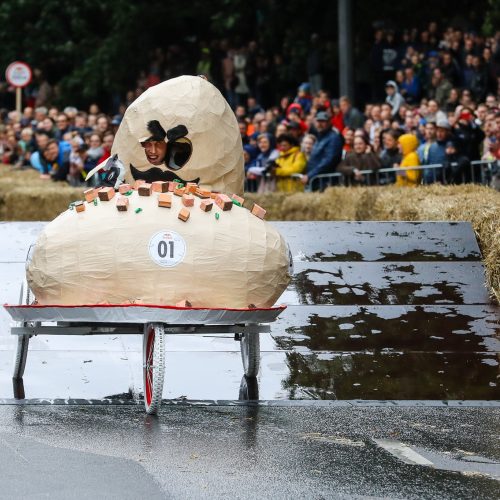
(167, 248)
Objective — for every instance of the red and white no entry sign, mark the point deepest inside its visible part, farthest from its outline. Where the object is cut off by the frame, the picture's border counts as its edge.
(18, 74)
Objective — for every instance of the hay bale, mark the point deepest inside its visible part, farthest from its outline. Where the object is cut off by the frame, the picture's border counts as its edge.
(479, 205)
(24, 196)
(272, 202)
(366, 202)
(35, 203)
(337, 203)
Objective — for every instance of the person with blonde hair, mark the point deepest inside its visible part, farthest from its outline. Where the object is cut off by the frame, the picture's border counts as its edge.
(307, 144)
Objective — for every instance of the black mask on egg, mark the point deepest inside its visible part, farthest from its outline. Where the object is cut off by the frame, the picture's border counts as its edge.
(179, 150)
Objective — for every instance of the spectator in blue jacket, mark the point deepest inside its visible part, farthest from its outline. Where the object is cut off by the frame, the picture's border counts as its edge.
(55, 160)
(433, 151)
(410, 88)
(327, 152)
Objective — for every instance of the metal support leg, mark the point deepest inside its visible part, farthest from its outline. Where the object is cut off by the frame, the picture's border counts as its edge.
(21, 354)
(23, 340)
(250, 353)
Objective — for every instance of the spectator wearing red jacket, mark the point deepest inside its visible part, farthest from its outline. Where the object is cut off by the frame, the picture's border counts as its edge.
(337, 118)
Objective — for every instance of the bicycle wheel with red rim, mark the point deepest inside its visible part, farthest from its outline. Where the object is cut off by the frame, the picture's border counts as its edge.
(154, 366)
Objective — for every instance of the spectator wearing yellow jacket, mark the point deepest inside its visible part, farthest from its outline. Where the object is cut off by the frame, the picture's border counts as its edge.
(291, 160)
(408, 144)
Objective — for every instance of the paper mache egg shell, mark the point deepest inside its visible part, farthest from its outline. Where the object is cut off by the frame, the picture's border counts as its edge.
(217, 156)
(104, 255)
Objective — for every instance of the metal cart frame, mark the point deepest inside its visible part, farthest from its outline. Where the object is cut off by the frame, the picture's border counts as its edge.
(31, 321)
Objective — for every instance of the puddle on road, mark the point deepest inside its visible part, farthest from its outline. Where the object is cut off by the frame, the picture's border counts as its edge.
(377, 328)
(411, 255)
(366, 283)
(392, 376)
(391, 352)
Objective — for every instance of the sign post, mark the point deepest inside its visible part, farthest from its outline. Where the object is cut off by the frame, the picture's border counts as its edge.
(18, 74)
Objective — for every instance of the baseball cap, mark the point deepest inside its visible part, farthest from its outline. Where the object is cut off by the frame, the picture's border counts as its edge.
(443, 123)
(322, 116)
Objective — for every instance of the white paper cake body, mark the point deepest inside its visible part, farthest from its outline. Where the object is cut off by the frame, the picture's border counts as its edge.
(103, 255)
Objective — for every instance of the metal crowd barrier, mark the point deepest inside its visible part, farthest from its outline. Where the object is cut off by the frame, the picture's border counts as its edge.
(481, 172)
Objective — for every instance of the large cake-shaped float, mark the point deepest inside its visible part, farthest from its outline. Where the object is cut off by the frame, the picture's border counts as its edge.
(178, 231)
(201, 131)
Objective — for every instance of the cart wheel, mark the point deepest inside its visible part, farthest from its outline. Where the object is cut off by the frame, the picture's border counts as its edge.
(153, 352)
(250, 353)
(22, 340)
(249, 389)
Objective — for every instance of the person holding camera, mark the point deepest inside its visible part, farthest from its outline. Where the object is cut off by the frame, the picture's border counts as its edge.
(259, 175)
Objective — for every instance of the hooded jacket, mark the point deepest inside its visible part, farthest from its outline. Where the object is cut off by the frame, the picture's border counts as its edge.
(290, 162)
(396, 99)
(409, 144)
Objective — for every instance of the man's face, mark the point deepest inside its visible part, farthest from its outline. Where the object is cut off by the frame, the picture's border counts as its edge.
(62, 122)
(79, 121)
(264, 144)
(490, 101)
(321, 125)
(284, 146)
(102, 124)
(243, 129)
(441, 134)
(389, 141)
(430, 132)
(41, 141)
(359, 145)
(47, 124)
(375, 113)
(344, 106)
(108, 141)
(155, 151)
(481, 112)
(39, 117)
(385, 112)
(51, 152)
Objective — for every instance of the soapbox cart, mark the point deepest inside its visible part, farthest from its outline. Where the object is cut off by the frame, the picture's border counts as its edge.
(151, 321)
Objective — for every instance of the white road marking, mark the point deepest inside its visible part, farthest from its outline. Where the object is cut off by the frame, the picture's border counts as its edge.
(403, 452)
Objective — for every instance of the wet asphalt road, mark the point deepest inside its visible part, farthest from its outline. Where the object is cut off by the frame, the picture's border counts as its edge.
(249, 452)
(376, 312)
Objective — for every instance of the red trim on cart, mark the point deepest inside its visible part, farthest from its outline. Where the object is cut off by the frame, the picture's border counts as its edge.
(153, 306)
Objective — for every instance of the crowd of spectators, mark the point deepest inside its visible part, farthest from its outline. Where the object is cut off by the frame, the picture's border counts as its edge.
(435, 100)
(63, 145)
